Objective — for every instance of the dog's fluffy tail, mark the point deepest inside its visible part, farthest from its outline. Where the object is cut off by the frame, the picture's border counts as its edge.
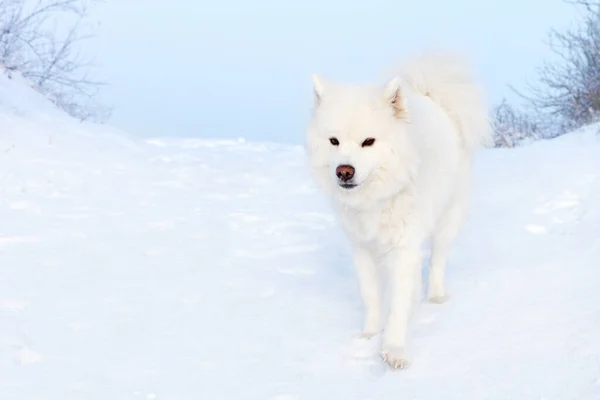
(447, 80)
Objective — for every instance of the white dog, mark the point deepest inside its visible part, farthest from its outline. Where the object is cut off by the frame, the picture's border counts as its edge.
(396, 162)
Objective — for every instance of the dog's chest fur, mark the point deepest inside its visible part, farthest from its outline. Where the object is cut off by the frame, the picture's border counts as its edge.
(380, 226)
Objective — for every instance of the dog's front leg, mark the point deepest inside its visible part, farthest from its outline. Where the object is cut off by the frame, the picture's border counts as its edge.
(369, 284)
(403, 267)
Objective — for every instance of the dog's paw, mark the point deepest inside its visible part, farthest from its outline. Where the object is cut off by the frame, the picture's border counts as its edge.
(438, 299)
(395, 357)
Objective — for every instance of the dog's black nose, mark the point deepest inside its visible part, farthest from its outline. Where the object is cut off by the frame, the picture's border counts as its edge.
(344, 172)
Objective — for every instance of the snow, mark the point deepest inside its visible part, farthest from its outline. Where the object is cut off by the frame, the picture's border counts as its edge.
(213, 269)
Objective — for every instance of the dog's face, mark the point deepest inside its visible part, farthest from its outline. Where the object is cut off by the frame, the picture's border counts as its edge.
(357, 141)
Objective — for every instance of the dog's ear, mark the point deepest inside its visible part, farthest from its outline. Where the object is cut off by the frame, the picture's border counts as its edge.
(393, 95)
(318, 88)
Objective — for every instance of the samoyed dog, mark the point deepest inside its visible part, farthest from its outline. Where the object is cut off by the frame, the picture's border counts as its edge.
(396, 162)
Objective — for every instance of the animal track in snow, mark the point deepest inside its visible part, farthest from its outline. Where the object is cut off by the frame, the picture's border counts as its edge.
(562, 209)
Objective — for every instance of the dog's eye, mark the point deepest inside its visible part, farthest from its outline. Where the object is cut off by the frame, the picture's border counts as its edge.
(368, 142)
(334, 141)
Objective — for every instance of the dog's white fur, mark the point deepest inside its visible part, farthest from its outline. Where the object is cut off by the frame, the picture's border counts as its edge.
(412, 183)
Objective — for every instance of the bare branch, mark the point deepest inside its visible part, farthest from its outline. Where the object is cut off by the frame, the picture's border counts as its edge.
(567, 89)
(52, 61)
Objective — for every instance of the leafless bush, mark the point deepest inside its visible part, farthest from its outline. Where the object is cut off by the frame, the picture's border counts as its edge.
(566, 93)
(512, 127)
(32, 43)
(567, 90)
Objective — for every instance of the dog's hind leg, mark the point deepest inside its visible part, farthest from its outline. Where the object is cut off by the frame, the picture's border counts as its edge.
(442, 240)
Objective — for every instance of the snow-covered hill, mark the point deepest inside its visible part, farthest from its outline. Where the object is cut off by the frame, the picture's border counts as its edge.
(198, 269)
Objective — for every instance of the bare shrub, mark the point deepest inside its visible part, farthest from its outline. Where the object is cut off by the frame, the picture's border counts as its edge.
(30, 42)
(567, 90)
(512, 127)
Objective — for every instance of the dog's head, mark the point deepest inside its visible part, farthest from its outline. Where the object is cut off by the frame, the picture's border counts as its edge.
(358, 140)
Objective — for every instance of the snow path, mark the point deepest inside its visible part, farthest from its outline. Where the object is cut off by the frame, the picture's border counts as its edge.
(191, 269)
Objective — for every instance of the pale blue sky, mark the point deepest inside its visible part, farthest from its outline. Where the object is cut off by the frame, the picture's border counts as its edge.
(241, 68)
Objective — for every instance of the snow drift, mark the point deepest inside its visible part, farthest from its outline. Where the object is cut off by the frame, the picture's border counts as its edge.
(196, 269)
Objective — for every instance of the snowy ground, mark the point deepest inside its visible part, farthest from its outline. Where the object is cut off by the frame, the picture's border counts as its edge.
(190, 269)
